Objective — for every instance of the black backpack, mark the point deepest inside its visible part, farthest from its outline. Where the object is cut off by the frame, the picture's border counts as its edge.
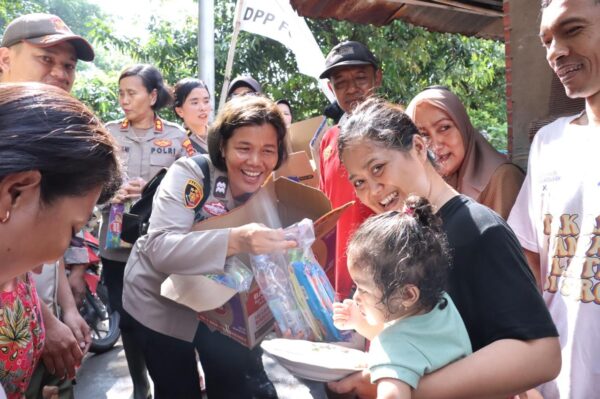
(136, 221)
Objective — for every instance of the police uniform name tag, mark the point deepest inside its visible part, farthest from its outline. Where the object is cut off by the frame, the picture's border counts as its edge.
(221, 184)
(163, 146)
(192, 194)
(215, 208)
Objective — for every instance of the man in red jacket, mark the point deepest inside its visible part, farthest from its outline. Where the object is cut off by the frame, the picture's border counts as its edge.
(354, 74)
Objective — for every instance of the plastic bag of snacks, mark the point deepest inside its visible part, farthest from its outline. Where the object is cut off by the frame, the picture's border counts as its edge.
(272, 276)
(297, 289)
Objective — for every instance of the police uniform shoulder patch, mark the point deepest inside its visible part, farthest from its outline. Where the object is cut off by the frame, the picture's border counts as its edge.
(125, 124)
(158, 125)
(189, 147)
(192, 194)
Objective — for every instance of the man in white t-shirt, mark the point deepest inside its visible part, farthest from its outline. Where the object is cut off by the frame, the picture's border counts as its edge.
(557, 213)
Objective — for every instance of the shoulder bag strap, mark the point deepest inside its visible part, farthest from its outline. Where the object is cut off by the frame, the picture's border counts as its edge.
(202, 162)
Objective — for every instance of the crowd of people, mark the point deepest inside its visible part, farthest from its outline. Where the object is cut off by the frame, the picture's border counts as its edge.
(469, 277)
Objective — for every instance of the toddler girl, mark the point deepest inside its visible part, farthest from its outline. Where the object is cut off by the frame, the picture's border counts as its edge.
(399, 263)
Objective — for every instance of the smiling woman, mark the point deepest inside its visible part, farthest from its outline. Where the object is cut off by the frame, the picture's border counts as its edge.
(465, 159)
(387, 159)
(245, 144)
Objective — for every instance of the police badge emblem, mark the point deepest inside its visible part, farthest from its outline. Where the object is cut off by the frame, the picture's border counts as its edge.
(162, 143)
(220, 190)
(192, 194)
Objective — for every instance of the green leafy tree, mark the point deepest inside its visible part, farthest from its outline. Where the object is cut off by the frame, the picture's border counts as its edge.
(77, 14)
(10, 9)
(99, 91)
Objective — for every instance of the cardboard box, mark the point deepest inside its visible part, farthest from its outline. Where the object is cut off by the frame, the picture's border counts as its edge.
(246, 317)
(299, 168)
(301, 133)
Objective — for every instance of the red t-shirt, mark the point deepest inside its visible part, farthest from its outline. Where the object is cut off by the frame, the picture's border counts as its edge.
(336, 186)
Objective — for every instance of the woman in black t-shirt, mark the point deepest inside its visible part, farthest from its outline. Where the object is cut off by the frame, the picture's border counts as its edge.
(513, 337)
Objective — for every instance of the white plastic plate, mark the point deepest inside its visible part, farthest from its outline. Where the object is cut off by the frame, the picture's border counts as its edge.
(316, 361)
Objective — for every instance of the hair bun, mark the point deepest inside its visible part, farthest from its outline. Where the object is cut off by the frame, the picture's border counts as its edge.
(421, 209)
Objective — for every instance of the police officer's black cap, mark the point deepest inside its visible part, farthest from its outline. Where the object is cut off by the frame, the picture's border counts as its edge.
(348, 53)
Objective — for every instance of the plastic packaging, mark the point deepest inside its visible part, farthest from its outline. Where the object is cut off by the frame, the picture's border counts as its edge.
(236, 275)
(297, 289)
(115, 226)
(272, 277)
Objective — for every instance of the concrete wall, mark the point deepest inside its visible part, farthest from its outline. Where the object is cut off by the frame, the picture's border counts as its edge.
(528, 76)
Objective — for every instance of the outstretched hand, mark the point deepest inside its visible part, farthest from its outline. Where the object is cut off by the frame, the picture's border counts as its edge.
(256, 238)
(347, 316)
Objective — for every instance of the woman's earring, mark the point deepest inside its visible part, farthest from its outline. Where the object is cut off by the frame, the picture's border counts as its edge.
(6, 217)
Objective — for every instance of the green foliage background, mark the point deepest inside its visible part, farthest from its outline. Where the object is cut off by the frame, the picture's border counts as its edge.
(412, 58)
